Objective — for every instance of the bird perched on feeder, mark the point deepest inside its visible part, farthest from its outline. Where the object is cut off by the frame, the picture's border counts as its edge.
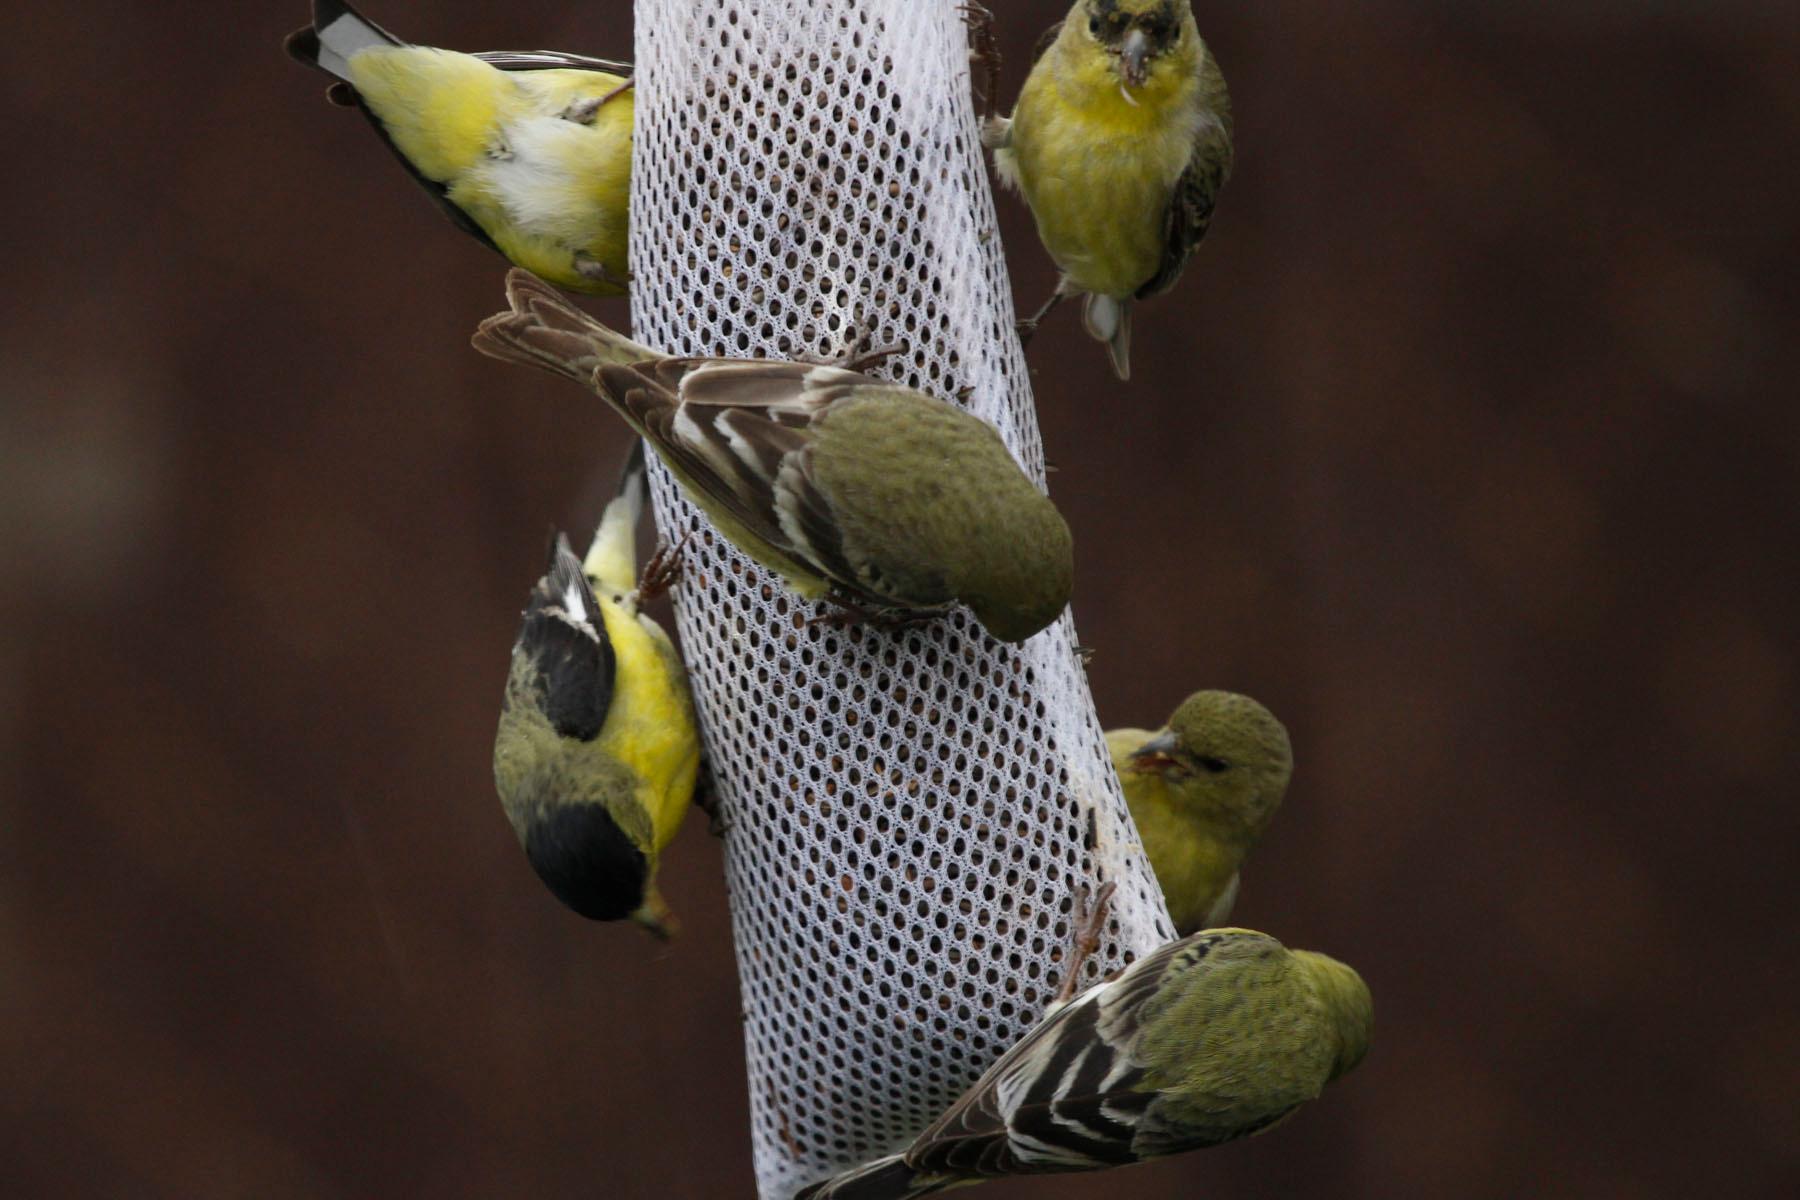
(1214, 1037)
(1120, 142)
(1201, 791)
(596, 755)
(527, 151)
(871, 494)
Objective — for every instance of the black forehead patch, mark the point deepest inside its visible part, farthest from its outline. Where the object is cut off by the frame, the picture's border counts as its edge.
(587, 861)
(1105, 20)
(1159, 22)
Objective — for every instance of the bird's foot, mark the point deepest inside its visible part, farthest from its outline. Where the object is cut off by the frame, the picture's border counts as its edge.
(663, 571)
(706, 799)
(861, 360)
(1091, 914)
(582, 112)
(589, 267)
(859, 357)
(984, 50)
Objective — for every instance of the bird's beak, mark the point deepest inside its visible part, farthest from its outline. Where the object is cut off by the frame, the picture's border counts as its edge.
(1156, 753)
(1134, 52)
(654, 915)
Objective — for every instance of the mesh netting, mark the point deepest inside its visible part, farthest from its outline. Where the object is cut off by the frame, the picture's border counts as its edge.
(912, 809)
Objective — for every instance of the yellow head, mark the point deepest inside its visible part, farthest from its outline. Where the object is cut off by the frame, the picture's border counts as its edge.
(1142, 39)
(1226, 756)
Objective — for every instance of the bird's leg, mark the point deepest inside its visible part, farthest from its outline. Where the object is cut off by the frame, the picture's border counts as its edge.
(663, 570)
(1090, 921)
(984, 51)
(582, 111)
(862, 360)
(855, 358)
(589, 267)
(846, 611)
(1028, 325)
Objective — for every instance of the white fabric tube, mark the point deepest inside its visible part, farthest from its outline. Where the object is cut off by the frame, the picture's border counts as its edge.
(912, 809)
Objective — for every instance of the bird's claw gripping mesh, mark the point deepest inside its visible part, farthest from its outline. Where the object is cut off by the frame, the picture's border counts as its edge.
(912, 809)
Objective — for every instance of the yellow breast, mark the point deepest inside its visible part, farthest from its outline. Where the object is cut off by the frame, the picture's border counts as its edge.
(561, 189)
(1098, 165)
(650, 727)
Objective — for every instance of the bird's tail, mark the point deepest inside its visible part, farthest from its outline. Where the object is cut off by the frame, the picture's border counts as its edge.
(1109, 320)
(612, 558)
(337, 32)
(542, 329)
(884, 1179)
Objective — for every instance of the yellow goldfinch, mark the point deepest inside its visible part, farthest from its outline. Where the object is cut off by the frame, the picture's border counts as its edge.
(1211, 1038)
(528, 151)
(596, 755)
(1201, 791)
(1120, 142)
(864, 491)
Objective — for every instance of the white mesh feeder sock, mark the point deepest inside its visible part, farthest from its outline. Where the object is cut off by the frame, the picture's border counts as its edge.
(912, 809)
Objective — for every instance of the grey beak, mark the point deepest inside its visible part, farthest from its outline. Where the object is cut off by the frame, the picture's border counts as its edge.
(1160, 746)
(1134, 51)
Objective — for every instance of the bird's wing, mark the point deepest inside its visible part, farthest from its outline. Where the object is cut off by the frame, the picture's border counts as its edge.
(1066, 1097)
(552, 60)
(1186, 221)
(1045, 40)
(740, 432)
(565, 638)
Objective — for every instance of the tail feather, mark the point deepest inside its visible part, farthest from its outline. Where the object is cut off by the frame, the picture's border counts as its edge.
(884, 1179)
(1109, 320)
(337, 32)
(542, 329)
(612, 557)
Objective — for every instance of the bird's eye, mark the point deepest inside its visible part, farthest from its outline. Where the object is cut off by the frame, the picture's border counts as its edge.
(1094, 25)
(1213, 766)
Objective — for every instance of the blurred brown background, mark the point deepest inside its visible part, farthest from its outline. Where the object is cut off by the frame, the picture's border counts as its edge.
(1468, 445)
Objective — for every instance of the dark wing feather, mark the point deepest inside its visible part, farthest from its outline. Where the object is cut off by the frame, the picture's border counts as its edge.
(1045, 40)
(1186, 222)
(739, 431)
(1066, 1097)
(552, 60)
(572, 658)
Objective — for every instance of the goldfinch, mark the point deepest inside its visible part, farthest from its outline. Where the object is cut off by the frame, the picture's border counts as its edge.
(1214, 1037)
(1120, 143)
(596, 755)
(868, 493)
(527, 151)
(1201, 791)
